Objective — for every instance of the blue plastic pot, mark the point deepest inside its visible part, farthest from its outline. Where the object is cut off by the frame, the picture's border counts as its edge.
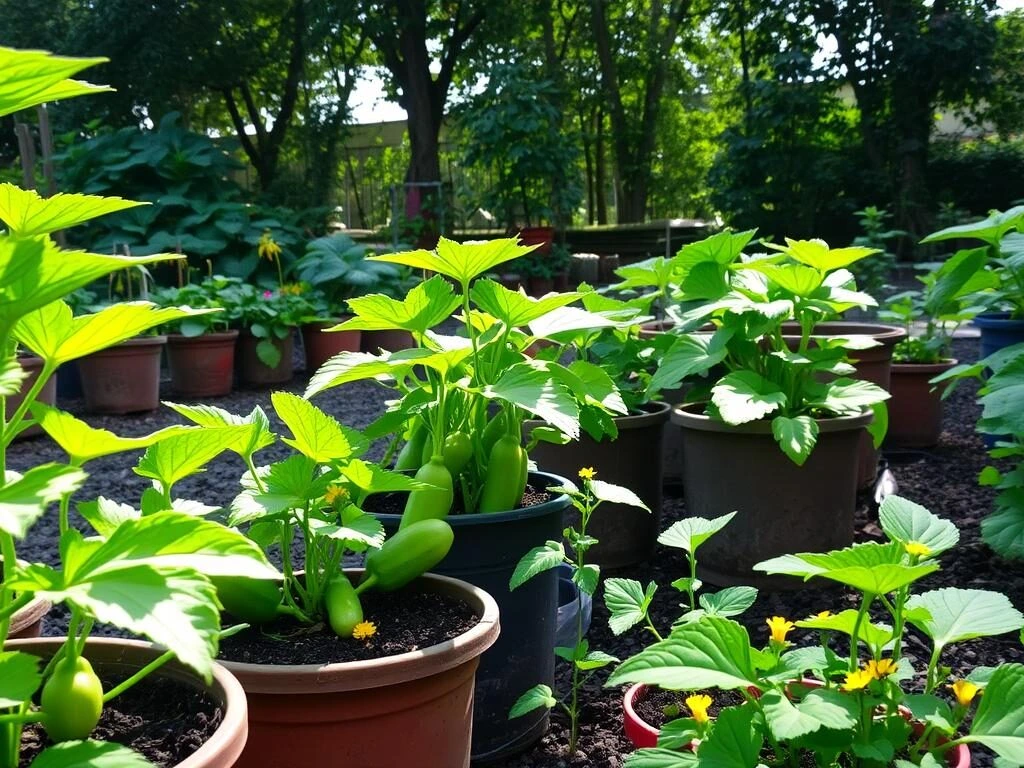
(998, 331)
(485, 553)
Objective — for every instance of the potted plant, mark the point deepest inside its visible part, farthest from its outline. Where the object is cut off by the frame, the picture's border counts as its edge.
(149, 576)
(266, 320)
(200, 348)
(861, 701)
(538, 272)
(337, 269)
(1002, 324)
(559, 260)
(337, 643)
(791, 418)
(460, 405)
(931, 316)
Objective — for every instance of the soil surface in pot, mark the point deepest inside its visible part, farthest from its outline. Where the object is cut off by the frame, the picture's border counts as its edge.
(406, 620)
(655, 706)
(394, 503)
(163, 719)
(944, 479)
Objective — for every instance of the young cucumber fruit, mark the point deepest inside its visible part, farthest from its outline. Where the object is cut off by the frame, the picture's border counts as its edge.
(430, 503)
(344, 610)
(72, 700)
(254, 601)
(406, 555)
(506, 476)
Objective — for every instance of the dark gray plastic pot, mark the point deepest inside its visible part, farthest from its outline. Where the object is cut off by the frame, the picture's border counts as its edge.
(485, 553)
(781, 508)
(627, 535)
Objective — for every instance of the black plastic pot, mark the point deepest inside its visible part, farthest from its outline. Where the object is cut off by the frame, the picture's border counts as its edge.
(485, 553)
(626, 534)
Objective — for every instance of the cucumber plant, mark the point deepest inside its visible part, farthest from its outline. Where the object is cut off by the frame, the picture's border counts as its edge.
(149, 574)
(461, 400)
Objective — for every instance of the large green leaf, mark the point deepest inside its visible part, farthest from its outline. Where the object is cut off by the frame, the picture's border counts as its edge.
(535, 391)
(627, 601)
(105, 515)
(348, 367)
(30, 78)
(734, 742)
(19, 678)
(713, 653)
(999, 721)
(689, 355)
(731, 601)
(91, 753)
(259, 435)
(954, 615)
(990, 230)
(616, 494)
(796, 436)
(460, 261)
(314, 433)
(905, 522)
(537, 560)
(26, 213)
(24, 498)
(36, 273)
(818, 709)
(845, 622)
(660, 757)
(817, 254)
(745, 396)
(691, 532)
(428, 304)
(540, 696)
(793, 278)
(566, 319)
(513, 308)
(83, 443)
(52, 333)
(177, 456)
(870, 567)
(372, 478)
(848, 396)
(1003, 530)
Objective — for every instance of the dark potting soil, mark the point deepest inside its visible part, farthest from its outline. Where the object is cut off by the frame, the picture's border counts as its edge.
(657, 706)
(943, 479)
(394, 503)
(163, 719)
(406, 620)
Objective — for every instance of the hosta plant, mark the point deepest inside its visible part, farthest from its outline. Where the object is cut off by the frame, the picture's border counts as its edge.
(760, 373)
(586, 576)
(460, 400)
(853, 695)
(150, 574)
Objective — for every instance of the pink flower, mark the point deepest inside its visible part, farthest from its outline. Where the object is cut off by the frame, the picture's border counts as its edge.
(268, 294)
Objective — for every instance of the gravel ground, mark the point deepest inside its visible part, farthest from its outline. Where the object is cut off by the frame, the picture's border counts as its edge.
(944, 480)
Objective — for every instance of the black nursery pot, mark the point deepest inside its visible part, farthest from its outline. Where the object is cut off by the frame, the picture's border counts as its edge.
(485, 553)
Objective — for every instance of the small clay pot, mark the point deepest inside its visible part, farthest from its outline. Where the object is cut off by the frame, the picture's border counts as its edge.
(320, 346)
(541, 286)
(28, 622)
(391, 340)
(48, 394)
(124, 378)
(915, 409)
(202, 366)
(124, 657)
(252, 372)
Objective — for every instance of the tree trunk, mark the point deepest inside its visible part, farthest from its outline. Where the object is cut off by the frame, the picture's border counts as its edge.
(601, 178)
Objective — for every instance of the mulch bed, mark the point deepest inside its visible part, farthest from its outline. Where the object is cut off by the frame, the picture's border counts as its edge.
(944, 480)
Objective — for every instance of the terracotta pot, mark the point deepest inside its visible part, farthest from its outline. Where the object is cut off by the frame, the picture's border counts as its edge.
(486, 551)
(413, 709)
(998, 331)
(626, 534)
(542, 237)
(643, 734)
(915, 410)
(202, 366)
(321, 347)
(541, 286)
(562, 282)
(28, 622)
(124, 378)
(252, 372)
(48, 394)
(392, 341)
(874, 365)
(124, 657)
(782, 507)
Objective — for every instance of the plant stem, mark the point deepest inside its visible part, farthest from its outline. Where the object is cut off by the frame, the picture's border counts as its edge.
(11, 428)
(865, 603)
(10, 562)
(154, 665)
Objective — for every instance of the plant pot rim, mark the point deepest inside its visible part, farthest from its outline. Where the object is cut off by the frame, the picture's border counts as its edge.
(921, 368)
(997, 320)
(684, 417)
(136, 341)
(480, 518)
(888, 335)
(226, 743)
(323, 322)
(387, 670)
(206, 337)
(29, 615)
(651, 413)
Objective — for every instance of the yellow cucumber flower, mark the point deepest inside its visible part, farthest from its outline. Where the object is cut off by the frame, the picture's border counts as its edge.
(917, 549)
(364, 630)
(779, 628)
(267, 248)
(698, 705)
(334, 493)
(588, 473)
(822, 615)
(857, 680)
(965, 691)
(881, 668)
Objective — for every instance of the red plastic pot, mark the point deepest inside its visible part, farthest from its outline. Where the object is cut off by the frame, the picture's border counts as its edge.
(539, 236)
(202, 366)
(321, 346)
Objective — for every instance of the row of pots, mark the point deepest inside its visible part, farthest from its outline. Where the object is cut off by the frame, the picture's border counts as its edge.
(438, 698)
